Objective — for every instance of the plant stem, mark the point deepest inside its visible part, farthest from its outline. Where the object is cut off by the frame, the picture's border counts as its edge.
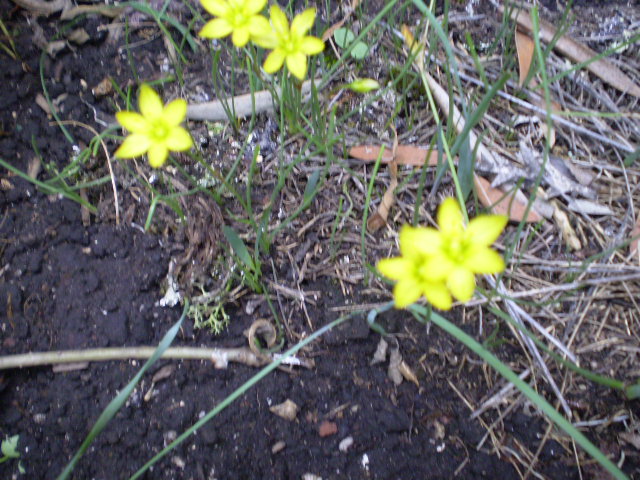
(35, 359)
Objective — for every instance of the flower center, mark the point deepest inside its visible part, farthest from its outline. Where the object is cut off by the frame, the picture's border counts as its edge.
(238, 18)
(159, 131)
(454, 247)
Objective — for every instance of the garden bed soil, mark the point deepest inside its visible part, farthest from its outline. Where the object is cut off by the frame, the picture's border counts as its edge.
(66, 283)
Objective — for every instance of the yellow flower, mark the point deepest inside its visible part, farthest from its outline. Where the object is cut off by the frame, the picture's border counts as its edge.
(290, 44)
(457, 253)
(439, 263)
(156, 130)
(408, 270)
(239, 17)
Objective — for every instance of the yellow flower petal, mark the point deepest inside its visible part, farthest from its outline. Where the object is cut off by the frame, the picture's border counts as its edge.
(178, 140)
(150, 103)
(420, 240)
(175, 112)
(297, 64)
(438, 295)
(259, 27)
(406, 292)
(450, 218)
(311, 45)
(158, 154)
(254, 6)
(462, 284)
(132, 121)
(303, 22)
(274, 61)
(218, 8)
(279, 20)
(240, 36)
(395, 268)
(483, 260)
(216, 28)
(133, 146)
(485, 229)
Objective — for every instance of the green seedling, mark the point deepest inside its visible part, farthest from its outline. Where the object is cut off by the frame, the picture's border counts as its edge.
(9, 448)
(345, 37)
(9, 47)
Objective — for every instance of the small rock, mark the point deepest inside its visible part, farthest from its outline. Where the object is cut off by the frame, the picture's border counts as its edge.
(287, 410)
(327, 428)
(278, 447)
(345, 444)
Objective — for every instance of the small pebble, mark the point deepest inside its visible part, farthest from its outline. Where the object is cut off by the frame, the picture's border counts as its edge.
(311, 476)
(278, 447)
(328, 428)
(345, 444)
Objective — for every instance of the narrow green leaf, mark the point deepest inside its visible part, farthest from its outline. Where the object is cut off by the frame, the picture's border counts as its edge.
(309, 190)
(631, 158)
(239, 247)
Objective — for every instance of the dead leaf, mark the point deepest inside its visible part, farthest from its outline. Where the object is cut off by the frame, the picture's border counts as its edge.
(5, 185)
(79, 36)
(524, 48)
(103, 88)
(578, 52)
(408, 373)
(582, 175)
(634, 246)
(405, 155)
(568, 233)
(163, 373)
(34, 167)
(632, 439)
(43, 104)
(393, 372)
(556, 173)
(511, 204)
(587, 207)
(329, 31)
(380, 354)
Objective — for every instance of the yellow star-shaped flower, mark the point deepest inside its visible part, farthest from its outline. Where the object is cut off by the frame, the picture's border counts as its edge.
(155, 130)
(441, 263)
(241, 18)
(290, 44)
(460, 253)
(407, 270)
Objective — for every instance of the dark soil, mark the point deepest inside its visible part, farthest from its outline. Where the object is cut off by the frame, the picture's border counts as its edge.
(67, 285)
